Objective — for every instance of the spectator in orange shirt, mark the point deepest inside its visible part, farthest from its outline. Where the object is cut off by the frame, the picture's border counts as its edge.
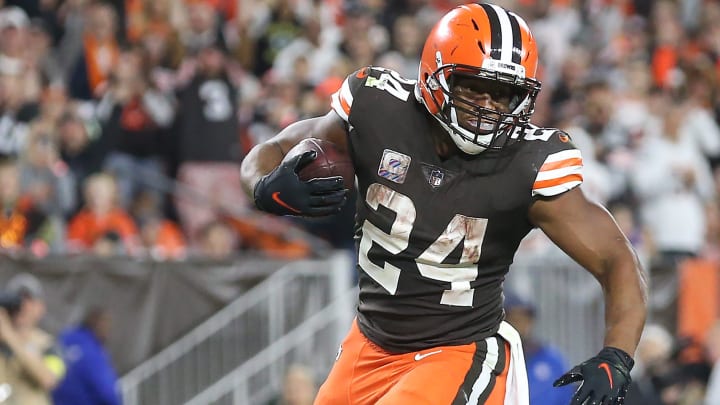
(22, 224)
(101, 216)
(162, 239)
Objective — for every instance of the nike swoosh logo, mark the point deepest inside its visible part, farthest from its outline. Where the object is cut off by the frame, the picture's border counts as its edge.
(419, 356)
(605, 367)
(276, 198)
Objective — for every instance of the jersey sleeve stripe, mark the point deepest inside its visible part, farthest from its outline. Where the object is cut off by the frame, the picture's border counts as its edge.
(560, 172)
(344, 104)
(563, 154)
(571, 178)
(346, 93)
(342, 101)
(557, 173)
(337, 105)
(555, 190)
(561, 163)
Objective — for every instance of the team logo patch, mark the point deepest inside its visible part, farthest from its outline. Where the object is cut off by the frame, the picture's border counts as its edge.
(394, 166)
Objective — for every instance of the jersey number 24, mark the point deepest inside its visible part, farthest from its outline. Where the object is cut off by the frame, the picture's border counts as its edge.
(468, 230)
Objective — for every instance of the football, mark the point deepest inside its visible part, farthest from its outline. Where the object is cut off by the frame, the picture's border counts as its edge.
(330, 161)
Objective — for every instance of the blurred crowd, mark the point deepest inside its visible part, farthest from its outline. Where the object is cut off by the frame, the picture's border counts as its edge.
(123, 124)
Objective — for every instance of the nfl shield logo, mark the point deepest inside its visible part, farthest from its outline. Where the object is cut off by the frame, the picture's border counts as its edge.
(436, 178)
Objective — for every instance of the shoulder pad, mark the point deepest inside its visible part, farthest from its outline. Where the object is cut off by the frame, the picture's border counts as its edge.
(377, 78)
(342, 99)
(534, 133)
(559, 162)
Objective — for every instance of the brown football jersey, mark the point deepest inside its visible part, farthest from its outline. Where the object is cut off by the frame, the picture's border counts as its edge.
(436, 237)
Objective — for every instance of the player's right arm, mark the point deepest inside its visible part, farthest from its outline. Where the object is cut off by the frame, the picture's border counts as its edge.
(265, 157)
(264, 174)
(275, 186)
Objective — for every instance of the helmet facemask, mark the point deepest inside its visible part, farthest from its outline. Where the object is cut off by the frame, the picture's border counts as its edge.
(489, 128)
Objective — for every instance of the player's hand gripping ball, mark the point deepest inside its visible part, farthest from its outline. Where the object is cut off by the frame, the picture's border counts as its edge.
(329, 161)
(312, 180)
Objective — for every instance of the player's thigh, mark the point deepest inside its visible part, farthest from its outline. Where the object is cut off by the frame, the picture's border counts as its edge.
(435, 383)
(455, 378)
(336, 388)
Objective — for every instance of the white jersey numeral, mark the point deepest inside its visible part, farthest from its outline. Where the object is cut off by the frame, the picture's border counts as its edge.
(468, 230)
(540, 134)
(391, 83)
(395, 242)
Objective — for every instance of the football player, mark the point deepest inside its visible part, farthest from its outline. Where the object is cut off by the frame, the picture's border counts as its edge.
(451, 176)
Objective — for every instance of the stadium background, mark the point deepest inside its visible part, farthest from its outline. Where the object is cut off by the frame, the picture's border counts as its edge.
(123, 123)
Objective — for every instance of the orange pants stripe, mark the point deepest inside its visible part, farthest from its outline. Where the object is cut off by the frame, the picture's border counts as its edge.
(364, 374)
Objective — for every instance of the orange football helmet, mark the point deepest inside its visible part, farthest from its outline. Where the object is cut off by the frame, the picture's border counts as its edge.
(486, 42)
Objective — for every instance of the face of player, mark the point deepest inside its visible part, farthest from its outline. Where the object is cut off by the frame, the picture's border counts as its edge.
(476, 99)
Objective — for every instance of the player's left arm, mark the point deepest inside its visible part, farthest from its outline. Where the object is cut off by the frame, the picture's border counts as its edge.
(589, 234)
